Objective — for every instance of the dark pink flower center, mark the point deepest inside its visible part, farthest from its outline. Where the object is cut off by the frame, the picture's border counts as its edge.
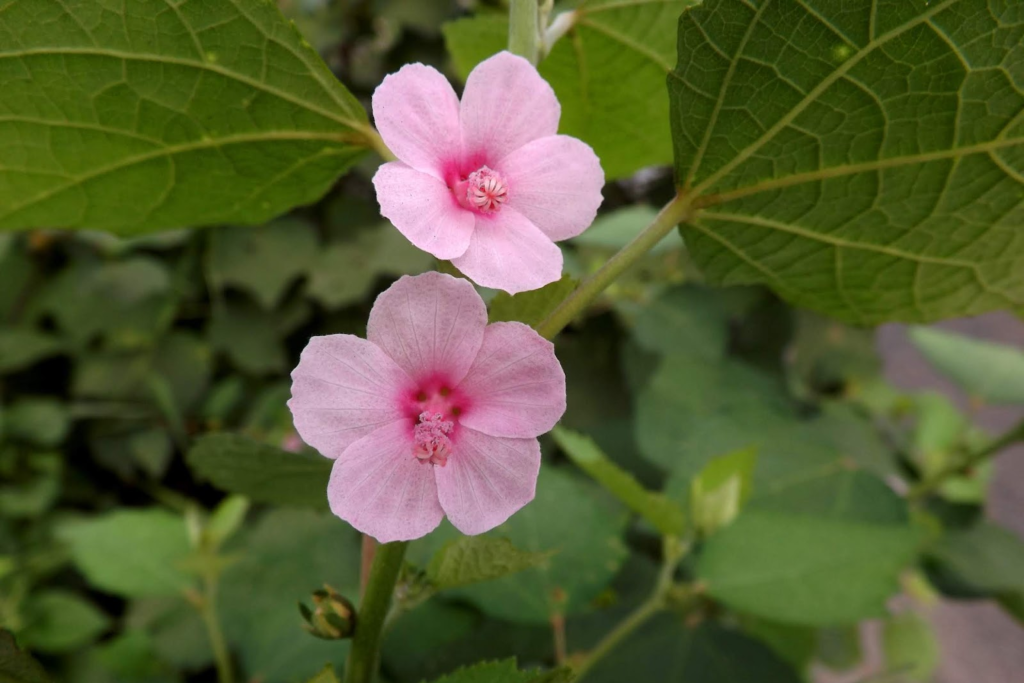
(434, 410)
(484, 190)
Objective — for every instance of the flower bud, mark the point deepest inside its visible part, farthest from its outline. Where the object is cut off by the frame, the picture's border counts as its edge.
(333, 616)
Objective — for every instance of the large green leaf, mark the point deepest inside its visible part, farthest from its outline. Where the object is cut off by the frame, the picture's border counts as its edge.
(608, 72)
(150, 114)
(667, 651)
(261, 472)
(287, 556)
(786, 567)
(569, 518)
(992, 372)
(862, 158)
(134, 553)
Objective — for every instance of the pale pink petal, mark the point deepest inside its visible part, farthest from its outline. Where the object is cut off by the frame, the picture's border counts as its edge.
(505, 105)
(487, 479)
(516, 387)
(509, 252)
(429, 324)
(424, 210)
(381, 489)
(417, 114)
(343, 388)
(555, 182)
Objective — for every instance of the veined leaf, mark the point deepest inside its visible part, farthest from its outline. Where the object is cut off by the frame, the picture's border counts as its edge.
(471, 559)
(150, 114)
(865, 159)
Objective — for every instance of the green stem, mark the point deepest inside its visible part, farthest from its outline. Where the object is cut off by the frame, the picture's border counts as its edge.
(523, 33)
(375, 142)
(673, 213)
(674, 551)
(1013, 436)
(364, 657)
(208, 611)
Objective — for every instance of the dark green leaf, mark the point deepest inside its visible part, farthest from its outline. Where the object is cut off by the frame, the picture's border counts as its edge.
(59, 621)
(472, 559)
(21, 347)
(158, 117)
(666, 515)
(786, 567)
(530, 307)
(260, 472)
(38, 421)
(17, 666)
(797, 129)
(685, 320)
(988, 559)
(489, 672)
(134, 553)
(666, 651)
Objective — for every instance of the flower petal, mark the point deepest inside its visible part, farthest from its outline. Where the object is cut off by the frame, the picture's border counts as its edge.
(487, 479)
(516, 387)
(424, 210)
(379, 487)
(509, 252)
(344, 388)
(556, 183)
(505, 105)
(417, 114)
(429, 324)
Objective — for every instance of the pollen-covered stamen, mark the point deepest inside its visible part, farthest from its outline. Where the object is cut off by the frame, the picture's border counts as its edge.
(431, 441)
(486, 190)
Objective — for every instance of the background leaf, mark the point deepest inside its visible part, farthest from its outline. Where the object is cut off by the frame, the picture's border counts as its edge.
(992, 372)
(472, 559)
(156, 118)
(817, 176)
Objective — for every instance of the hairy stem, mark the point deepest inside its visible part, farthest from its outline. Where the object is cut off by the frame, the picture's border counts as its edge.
(674, 551)
(1013, 436)
(523, 32)
(364, 658)
(673, 213)
(208, 611)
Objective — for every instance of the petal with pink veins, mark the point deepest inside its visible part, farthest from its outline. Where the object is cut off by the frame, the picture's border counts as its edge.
(516, 387)
(417, 113)
(424, 210)
(505, 105)
(509, 252)
(344, 388)
(431, 325)
(487, 479)
(556, 183)
(381, 489)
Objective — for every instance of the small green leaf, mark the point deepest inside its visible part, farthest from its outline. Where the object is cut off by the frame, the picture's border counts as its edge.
(988, 559)
(260, 472)
(718, 493)
(226, 519)
(39, 421)
(217, 112)
(21, 347)
(17, 666)
(530, 307)
(911, 649)
(992, 372)
(666, 516)
(785, 567)
(133, 553)
(794, 139)
(60, 621)
(472, 559)
(489, 672)
(262, 260)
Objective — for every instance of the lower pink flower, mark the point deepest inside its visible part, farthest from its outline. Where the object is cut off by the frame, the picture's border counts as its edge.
(435, 413)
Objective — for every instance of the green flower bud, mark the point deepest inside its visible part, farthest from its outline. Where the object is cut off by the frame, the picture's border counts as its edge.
(332, 618)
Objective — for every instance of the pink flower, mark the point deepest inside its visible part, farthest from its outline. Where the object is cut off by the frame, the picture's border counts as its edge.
(435, 412)
(486, 183)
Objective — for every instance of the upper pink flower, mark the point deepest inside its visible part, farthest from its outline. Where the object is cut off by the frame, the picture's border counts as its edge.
(485, 183)
(435, 412)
